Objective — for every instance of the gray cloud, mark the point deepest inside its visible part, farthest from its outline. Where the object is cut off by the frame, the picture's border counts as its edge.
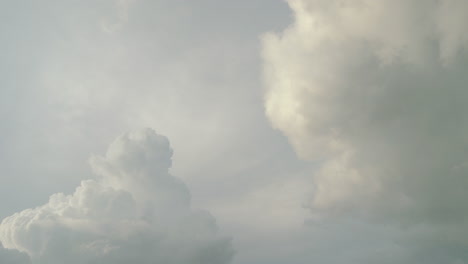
(13, 256)
(376, 92)
(135, 212)
(75, 72)
(188, 69)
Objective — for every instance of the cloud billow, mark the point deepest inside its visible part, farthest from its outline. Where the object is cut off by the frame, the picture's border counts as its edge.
(376, 91)
(135, 212)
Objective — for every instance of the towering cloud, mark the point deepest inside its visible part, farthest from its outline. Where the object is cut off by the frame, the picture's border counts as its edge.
(376, 91)
(135, 212)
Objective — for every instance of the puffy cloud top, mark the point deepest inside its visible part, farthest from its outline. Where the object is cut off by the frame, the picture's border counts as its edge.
(135, 212)
(138, 163)
(376, 91)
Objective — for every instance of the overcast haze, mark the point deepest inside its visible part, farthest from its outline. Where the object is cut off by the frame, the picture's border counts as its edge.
(234, 132)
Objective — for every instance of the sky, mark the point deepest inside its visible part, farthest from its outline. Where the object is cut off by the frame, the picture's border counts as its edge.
(240, 132)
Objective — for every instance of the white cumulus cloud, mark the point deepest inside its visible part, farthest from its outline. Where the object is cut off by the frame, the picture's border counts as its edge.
(376, 92)
(134, 212)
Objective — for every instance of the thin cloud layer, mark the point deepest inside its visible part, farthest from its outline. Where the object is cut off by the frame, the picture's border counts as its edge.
(135, 212)
(376, 92)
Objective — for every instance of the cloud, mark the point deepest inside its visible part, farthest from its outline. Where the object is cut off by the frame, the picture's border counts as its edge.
(97, 67)
(135, 212)
(376, 92)
(13, 256)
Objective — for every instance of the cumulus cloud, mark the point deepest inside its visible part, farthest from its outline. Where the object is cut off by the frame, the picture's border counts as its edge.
(135, 212)
(376, 92)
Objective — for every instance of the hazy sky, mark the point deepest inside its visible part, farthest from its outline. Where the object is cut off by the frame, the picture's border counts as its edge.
(242, 132)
